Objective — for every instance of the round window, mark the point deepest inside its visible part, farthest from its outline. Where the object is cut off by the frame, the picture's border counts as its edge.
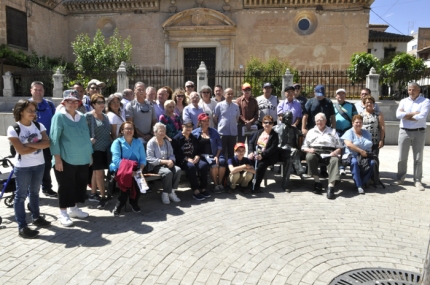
(304, 24)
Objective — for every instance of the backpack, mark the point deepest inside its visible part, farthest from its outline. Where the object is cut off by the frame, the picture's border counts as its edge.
(17, 129)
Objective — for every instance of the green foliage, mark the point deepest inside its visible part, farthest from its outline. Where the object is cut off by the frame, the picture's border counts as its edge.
(98, 56)
(15, 58)
(403, 69)
(258, 72)
(361, 63)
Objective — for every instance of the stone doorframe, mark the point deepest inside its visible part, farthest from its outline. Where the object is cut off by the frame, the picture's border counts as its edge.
(199, 27)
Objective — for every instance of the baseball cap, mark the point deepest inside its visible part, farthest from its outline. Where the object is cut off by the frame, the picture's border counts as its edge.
(246, 85)
(320, 90)
(340, 90)
(237, 145)
(202, 117)
(267, 84)
(287, 88)
(189, 83)
(96, 82)
(297, 85)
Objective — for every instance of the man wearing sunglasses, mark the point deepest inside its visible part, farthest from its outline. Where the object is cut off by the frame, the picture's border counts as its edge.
(93, 87)
(248, 107)
(141, 113)
(359, 105)
(189, 87)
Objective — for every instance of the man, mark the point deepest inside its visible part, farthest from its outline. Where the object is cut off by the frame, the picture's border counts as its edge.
(267, 104)
(289, 104)
(141, 113)
(323, 141)
(359, 105)
(412, 112)
(219, 94)
(159, 104)
(193, 110)
(301, 99)
(151, 94)
(44, 112)
(226, 116)
(93, 87)
(81, 92)
(241, 169)
(127, 97)
(189, 87)
(344, 111)
(248, 108)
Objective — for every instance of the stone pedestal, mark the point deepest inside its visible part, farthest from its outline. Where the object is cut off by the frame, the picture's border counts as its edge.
(372, 82)
(57, 91)
(287, 80)
(202, 76)
(8, 90)
(121, 77)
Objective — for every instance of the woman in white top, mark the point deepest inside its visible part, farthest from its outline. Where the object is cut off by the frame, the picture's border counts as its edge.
(208, 105)
(115, 114)
(28, 139)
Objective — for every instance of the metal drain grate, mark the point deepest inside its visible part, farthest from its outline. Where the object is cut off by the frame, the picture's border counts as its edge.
(377, 276)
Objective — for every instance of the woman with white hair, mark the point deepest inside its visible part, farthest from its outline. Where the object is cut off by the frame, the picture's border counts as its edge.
(171, 120)
(115, 114)
(207, 104)
(161, 160)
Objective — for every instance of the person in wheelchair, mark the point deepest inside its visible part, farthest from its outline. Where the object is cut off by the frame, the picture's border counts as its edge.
(322, 145)
(288, 143)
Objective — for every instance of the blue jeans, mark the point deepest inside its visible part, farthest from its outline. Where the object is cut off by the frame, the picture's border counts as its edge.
(360, 178)
(28, 180)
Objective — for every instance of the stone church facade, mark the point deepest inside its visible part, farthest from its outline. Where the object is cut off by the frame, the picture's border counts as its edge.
(313, 34)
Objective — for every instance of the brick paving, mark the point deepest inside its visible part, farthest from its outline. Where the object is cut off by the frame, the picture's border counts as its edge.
(296, 238)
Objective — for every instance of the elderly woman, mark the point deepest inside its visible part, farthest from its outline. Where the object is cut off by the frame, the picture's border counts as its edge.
(374, 123)
(180, 101)
(115, 114)
(29, 140)
(358, 141)
(100, 132)
(187, 152)
(211, 150)
(207, 104)
(265, 144)
(161, 160)
(128, 147)
(322, 141)
(72, 151)
(192, 111)
(170, 119)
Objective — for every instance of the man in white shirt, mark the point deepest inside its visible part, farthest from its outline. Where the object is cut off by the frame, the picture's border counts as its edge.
(412, 112)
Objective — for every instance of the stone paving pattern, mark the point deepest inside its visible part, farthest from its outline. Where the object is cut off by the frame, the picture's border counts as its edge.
(296, 238)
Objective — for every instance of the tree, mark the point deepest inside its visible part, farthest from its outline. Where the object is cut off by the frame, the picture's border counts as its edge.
(403, 69)
(100, 56)
(361, 63)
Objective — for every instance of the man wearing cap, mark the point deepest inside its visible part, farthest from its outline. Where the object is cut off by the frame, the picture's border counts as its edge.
(226, 116)
(141, 113)
(93, 87)
(267, 103)
(301, 99)
(44, 113)
(159, 104)
(248, 108)
(241, 169)
(412, 112)
(193, 110)
(359, 105)
(289, 104)
(189, 87)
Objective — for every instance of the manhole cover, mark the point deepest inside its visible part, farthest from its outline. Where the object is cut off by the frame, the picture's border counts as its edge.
(377, 276)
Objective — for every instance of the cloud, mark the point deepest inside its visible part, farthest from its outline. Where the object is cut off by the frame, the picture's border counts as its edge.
(389, 15)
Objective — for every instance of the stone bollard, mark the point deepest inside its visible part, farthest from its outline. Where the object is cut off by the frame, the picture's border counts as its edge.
(8, 90)
(287, 80)
(57, 92)
(372, 82)
(121, 77)
(202, 76)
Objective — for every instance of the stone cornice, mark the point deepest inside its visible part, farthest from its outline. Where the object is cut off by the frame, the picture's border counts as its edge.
(106, 6)
(305, 3)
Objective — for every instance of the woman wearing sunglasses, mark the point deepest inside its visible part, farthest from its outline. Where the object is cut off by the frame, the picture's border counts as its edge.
(263, 147)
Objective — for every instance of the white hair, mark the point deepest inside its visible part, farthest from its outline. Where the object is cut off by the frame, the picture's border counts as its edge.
(157, 126)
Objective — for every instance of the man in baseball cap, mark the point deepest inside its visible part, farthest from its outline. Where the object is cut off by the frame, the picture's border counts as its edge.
(241, 169)
(267, 104)
(248, 108)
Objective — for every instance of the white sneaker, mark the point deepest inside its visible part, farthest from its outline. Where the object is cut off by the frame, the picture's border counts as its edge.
(75, 212)
(419, 186)
(165, 198)
(360, 190)
(342, 172)
(173, 197)
(399, 182)
(65, 220)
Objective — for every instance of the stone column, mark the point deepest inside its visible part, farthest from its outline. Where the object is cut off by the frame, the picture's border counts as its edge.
(202, 76)
(57, 92)
(121, 77)
(8, 90)
(287, 80)
(372, 82)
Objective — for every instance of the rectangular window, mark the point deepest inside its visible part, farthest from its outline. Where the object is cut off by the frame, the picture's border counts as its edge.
(369, 50)
(389, 51)
(16, 28)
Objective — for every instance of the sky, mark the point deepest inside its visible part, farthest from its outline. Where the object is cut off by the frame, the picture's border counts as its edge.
(403, 16)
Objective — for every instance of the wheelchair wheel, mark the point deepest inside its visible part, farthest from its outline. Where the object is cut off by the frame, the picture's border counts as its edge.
(8, 201)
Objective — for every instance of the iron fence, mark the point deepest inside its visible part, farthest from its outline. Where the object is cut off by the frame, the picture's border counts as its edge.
(109, 78)
(397, 87)
(22, 82)
(158, 78)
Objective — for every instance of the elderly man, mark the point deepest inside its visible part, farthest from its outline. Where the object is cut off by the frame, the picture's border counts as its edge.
(267, 103)
(219, 94)
(189, 87)
(359, 105)
(302, 100)
(193, 110)
(159, 104)
(142, 113)
(127, 97)
(248, 108)
(151, 94)
(412, 112)
(81, 93)
(322, 144)
(93, 87)
(289, 104)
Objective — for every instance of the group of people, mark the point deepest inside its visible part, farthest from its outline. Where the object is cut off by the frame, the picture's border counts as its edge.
(164, 132)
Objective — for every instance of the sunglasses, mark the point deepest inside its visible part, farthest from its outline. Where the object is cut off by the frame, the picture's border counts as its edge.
(297, 88)
(268, 123)
(94, 88)
(247, 89)
(180, 96)
(205, 92)
(144, 108)
(189, 86)
(100, 102)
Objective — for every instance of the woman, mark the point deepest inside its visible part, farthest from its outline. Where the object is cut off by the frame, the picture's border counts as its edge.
(129, 147)
(265, 144)
(169, 92)
(180, 101)
(28, 141)
(171, 120)
(187, 152)
(374, 123)
(207, 104)
(358, 141)
(211, 150)
(114, 114)
(161, 160)
(72, 151)
(100, 132)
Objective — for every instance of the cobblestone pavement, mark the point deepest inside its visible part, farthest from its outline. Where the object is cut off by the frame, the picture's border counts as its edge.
(276, 237)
